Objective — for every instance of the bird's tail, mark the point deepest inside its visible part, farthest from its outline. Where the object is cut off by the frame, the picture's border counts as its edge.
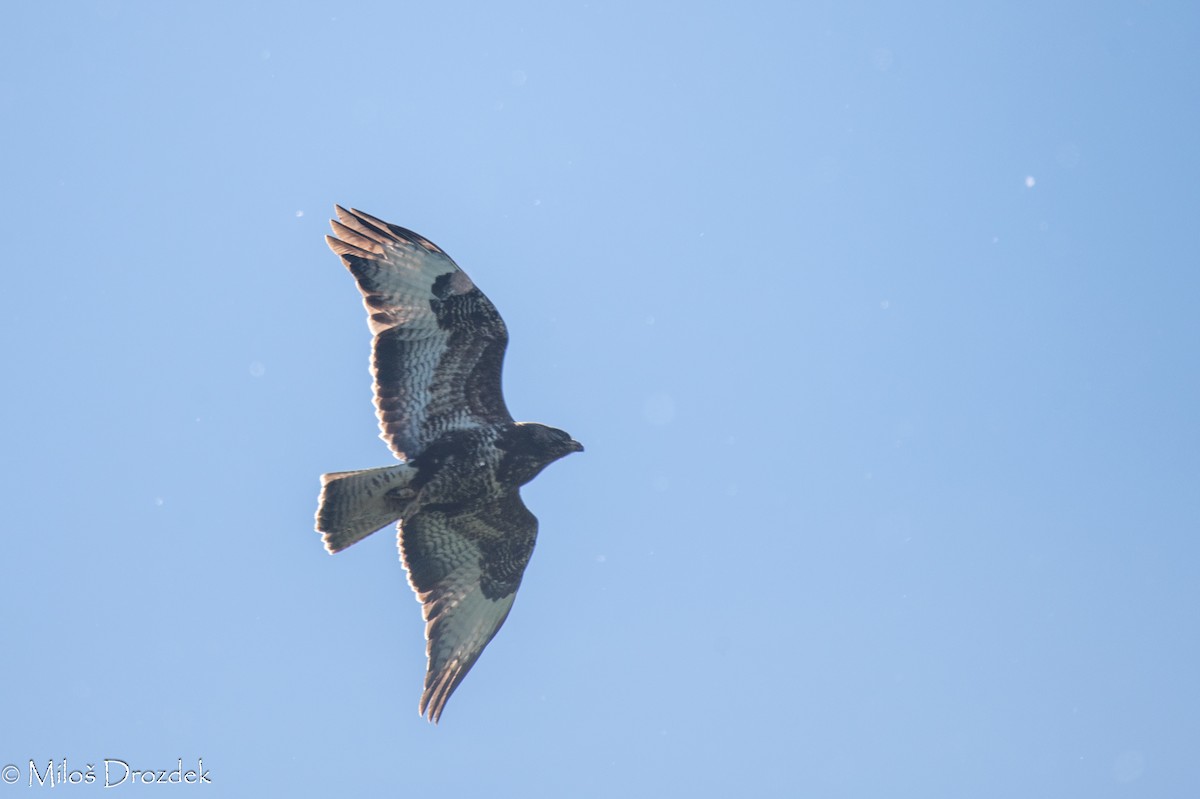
(355, 504)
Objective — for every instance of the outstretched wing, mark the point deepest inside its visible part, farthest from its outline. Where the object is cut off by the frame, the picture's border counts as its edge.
(439, 342)
(465, 566)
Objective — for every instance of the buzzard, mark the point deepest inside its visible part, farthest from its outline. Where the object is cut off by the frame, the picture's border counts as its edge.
(465, 536)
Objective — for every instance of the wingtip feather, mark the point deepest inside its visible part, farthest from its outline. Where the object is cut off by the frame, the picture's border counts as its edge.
(354, 238)
(341, 248)
(433, 700)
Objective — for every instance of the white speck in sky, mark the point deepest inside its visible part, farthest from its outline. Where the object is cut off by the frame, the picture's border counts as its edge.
(1029, 181)
(885, 304)
(299, 214)
(257, 369)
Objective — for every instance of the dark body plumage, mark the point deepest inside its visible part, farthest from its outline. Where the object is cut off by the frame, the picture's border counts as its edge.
(465, 535)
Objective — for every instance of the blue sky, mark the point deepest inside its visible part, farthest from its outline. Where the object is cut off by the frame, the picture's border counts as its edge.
(878, 323)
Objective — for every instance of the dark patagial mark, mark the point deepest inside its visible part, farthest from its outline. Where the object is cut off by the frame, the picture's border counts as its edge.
(459, 306)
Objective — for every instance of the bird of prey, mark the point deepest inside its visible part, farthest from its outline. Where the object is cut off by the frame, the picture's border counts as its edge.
(465, 536)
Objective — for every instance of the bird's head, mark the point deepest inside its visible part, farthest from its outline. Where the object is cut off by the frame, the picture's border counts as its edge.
(551, 439)
(531, 447)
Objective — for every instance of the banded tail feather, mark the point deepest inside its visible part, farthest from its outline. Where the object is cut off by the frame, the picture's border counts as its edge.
(355, 504)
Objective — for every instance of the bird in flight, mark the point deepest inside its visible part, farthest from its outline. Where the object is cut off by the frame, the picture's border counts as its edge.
(465, 536)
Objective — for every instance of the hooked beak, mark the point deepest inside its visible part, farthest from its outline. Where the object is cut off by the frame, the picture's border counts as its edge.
(576, 446)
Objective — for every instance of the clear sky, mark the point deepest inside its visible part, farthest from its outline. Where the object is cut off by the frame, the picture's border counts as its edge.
(878, 322)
